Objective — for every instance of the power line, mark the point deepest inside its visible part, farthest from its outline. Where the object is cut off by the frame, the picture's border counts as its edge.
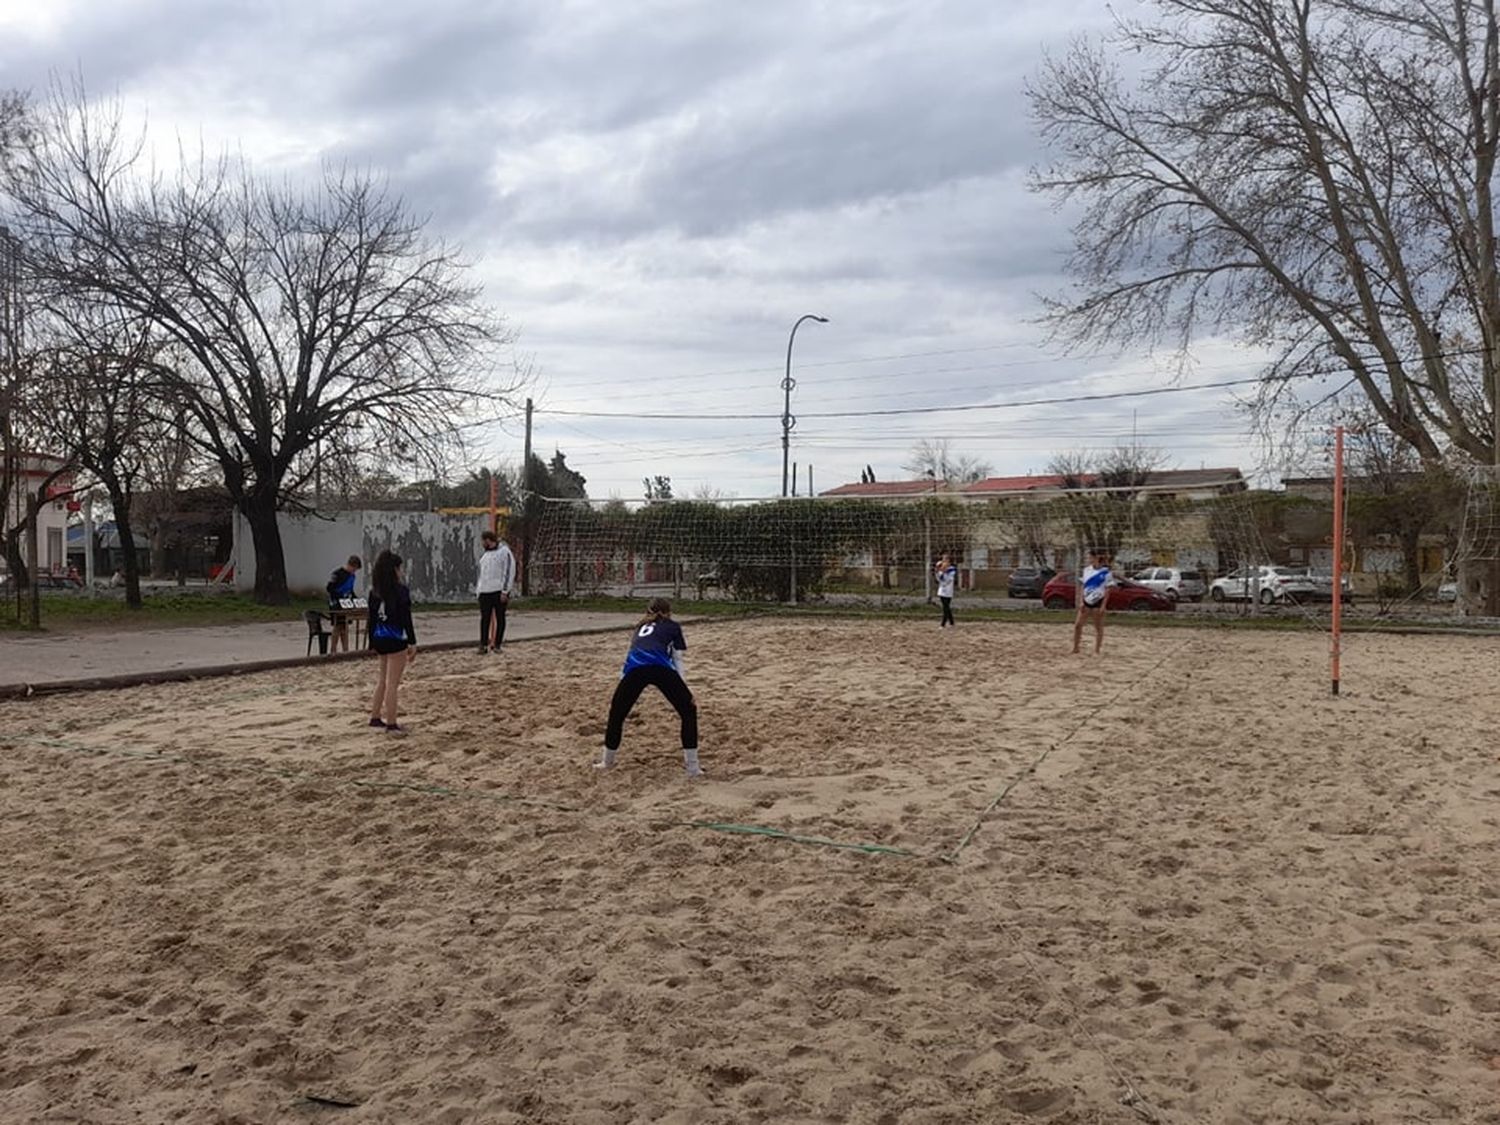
(1341, 369)
(965, 408)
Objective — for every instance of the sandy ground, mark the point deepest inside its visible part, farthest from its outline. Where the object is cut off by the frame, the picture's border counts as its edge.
(1218, 889)
(86, 651)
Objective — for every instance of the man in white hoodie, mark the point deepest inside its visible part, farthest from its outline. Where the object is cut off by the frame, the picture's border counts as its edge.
(497, 570)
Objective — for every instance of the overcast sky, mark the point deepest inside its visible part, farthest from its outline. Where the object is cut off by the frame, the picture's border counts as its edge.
(655, 191)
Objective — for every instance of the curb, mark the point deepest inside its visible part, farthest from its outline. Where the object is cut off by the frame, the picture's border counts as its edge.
(251, 667)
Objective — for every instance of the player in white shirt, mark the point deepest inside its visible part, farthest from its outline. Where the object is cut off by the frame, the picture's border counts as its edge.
(497, 571)
(1093, 593)
(947, 579)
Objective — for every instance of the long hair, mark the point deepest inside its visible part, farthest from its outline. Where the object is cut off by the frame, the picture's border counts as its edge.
(655, 611)
(383, 575)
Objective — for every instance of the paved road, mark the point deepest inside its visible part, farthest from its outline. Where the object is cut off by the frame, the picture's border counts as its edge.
(53, 657)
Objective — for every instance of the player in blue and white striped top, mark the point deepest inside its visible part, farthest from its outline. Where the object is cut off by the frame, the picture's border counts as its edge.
(1093, 593)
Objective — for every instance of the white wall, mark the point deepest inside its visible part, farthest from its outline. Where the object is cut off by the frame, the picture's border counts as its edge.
(441, 552)
(53, 514)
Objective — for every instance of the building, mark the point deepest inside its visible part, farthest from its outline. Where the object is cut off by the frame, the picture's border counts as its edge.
(1037, 520)
(27, 473)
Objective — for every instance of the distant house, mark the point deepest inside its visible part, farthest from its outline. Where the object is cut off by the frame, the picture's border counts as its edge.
(31, 471)
(1012, 532)
(891, 490)
(1186, 484)
(1372, 557)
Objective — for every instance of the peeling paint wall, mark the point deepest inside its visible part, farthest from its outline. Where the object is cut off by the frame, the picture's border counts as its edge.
(441, 552)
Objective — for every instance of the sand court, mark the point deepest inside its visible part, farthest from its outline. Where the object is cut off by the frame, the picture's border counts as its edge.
(1211, 888)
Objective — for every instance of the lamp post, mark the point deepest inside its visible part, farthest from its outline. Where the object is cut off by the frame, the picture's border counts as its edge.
(787, 421)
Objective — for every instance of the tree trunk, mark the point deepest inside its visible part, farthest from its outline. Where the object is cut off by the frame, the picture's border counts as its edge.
(1411, 560)
(129, 563)
(159, 548)
(33, 554)
(20, 573)
(259, 509)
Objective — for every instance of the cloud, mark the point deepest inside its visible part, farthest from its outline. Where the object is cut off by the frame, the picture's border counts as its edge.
(654, 191)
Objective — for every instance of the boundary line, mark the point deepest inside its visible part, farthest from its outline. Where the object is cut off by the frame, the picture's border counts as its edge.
(1036, 763)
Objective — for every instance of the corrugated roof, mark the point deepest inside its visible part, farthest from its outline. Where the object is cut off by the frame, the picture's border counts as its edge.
(889, 488)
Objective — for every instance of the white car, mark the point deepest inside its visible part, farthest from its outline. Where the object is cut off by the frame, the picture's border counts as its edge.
(1267, 584)
(1448, 591)
(1179, 585)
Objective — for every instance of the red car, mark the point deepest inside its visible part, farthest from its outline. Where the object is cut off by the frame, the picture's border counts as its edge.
(1062, 593)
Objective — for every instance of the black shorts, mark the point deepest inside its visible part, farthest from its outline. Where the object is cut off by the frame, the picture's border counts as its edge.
(387, 646)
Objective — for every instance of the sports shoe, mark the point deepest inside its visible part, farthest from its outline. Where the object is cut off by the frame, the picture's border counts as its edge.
(377, 721)
(395, 731)
(606, 760)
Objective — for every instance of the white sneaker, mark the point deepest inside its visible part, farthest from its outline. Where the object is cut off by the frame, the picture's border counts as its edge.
(690, 763)
(606, 760)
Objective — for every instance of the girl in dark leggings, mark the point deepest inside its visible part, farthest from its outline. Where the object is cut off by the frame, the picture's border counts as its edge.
(654, 659)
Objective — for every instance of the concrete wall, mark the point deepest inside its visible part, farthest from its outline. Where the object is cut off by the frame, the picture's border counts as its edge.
(441, 552)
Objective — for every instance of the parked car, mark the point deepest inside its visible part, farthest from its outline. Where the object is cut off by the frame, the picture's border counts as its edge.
(1179, 585)
(1448, 591)
(1323, 581)
(1028, 581)
(1061, 592)
(1269, 584)
(45, 580)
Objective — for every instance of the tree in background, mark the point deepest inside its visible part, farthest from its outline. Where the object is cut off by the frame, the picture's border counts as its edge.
(1391, 494)
(657, 487)
(1315, 177)
(98, 372)
(300, 315)
(936, 459)
(1104, 507)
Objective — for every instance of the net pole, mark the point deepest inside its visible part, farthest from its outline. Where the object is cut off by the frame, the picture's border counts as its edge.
(1338, 549)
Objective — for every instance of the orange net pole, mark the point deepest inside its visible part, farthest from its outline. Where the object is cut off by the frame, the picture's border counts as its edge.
(1338, 549)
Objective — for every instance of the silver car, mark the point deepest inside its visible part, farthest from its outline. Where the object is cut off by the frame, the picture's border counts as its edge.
(1266, 584)
(1179, 585)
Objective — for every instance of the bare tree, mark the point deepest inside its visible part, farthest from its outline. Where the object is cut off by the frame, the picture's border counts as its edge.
(1314, 176)
(936, 459)
(1391, 494)
(300, 315)
(99, 373)
(1104, 505)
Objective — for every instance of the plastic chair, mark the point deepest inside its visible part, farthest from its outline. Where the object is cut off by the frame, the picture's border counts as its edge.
(315, 628)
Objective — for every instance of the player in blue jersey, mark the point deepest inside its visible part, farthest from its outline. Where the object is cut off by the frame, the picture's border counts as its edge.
(393, 636)
(1093, 592)
(654, 659)
(341, 587)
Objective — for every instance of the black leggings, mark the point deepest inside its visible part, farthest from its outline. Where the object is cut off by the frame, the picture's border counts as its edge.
(947, 612)
(671, 685)
(491, 607)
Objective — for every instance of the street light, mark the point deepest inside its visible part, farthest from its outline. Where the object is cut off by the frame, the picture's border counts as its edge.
(787, 421)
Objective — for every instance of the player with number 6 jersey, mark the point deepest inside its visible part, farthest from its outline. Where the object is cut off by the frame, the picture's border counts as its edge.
(654, 660)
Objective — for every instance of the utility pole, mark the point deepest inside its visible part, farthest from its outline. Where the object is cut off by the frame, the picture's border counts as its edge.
(88, 543)
(1492, 603)
(527, 508)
